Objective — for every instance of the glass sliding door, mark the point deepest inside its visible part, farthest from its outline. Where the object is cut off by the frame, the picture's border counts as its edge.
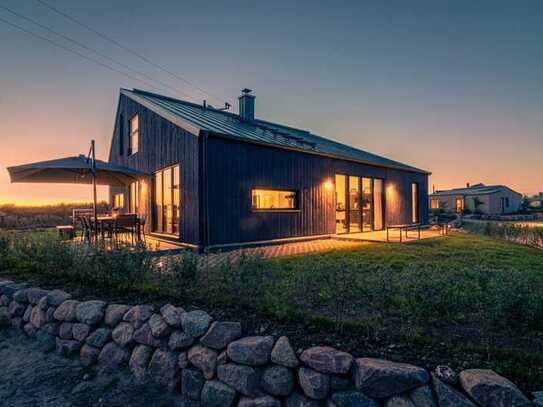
(415, 202)
(354, 204)
(341, 204)
(367, 204)
(166, 201)
(378, 204)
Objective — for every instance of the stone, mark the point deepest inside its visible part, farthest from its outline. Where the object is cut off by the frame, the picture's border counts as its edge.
(18, 322)
(29, 329)
(244, 379)
(114, 314)
(4, 300)
(52, 328)
(91, 312)
(447, 396)
(398, 401)
(57, 297)
(297, 399)
(538, 398)
(80, 331)
(379, 378)
(34, 295)
(4, 316)
(352, 398)
(192, 382)
(66, 311)
(112, 356)
(172, 315)
(283, 354)
(180, 340)
(89, 354)
(264, 401)
(12, 288)
(277, 380)
(326, 359)
(339, 383)
(37, 317)
(144, 336)
(217, 394)
(50, 314)
(139, 361)
(422, 397)
(16, 309)
(251, 350)
(159, 327)
(163, 368)
(67, 347)
(314, 384)
(488, 388)
(123, 334)
(196, 323)
(42, 303)
(220, 334)
(222, 359)
(99, 337)
(138, 315)
(66, 330)
(183, 360)
(446, 375)
(204, 359)
(28, 313)
(20, 296)
(45, 341)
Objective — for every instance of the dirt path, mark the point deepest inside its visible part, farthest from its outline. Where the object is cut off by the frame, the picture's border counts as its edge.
(31, 378)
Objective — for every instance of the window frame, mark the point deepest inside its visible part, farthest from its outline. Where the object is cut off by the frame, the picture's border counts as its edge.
(415, 203)
(131, 135)
(297, 200)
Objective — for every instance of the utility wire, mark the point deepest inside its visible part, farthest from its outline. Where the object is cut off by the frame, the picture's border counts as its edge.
(18, 27)
(124, 47)
(164, 86)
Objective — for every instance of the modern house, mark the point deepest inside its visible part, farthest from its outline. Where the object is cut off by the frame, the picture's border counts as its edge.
(220, 179)
(536, 202)
(478, 198)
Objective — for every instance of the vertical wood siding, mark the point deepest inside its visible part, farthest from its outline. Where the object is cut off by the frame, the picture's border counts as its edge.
(234, 168)
(161, 144)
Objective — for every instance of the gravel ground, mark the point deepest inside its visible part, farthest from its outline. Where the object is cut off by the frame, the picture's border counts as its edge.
(31, 378)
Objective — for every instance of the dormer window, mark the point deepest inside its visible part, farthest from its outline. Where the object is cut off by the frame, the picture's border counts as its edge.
(134, 136)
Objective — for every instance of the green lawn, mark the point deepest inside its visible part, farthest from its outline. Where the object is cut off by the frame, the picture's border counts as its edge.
(464, 300)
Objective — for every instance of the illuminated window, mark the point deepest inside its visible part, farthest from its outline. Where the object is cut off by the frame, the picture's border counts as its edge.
(134, 197)
(459, 205)
(414, 202)
(118, 201)
(167, 199)
(134, 134)
(274, 199)
(434, 203)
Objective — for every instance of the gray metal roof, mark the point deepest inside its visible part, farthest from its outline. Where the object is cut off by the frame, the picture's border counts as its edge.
(478, 189)
(230, 124)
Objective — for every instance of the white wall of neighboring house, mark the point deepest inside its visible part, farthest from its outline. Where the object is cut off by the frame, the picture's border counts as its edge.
(490, 203)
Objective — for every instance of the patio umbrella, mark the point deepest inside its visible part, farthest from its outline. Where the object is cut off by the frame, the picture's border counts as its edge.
(76, 170)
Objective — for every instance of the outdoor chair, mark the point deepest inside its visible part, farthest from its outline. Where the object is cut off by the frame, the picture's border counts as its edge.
(125, 225)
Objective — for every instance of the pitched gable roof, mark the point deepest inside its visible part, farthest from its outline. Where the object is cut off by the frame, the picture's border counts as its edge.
(477, 189)
(195, 118)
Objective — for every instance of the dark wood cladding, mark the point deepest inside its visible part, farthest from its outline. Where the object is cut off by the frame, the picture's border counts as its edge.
(161, 144)
(234, 168)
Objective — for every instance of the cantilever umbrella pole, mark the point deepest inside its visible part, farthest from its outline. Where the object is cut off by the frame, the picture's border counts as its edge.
(94, 202)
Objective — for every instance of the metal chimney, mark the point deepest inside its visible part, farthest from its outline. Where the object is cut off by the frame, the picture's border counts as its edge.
(247, 105)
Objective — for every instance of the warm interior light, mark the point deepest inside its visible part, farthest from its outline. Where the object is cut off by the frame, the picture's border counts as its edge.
(328, 185)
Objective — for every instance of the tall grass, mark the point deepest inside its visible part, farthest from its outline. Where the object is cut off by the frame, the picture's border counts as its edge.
(527, 235)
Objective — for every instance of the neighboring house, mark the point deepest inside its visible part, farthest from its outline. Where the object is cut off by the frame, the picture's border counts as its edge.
(536, 201)
(479, 198)
(221, 179)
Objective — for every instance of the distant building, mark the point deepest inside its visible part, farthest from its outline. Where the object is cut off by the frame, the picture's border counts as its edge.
(478, 198)
(536, 201)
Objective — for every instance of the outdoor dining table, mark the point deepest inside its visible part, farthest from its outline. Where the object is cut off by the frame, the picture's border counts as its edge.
(107, 222)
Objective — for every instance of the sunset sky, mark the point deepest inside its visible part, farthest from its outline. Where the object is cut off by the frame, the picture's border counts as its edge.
(454, 87)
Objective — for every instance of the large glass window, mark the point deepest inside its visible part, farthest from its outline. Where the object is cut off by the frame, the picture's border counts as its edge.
(118, 201)
(274, 199)
(134, 134)
(134, 197)
(378, 204)
(434, 203)
(367, 205)
(354, 204)
(414, 202)
(167, 213)
(341, 203)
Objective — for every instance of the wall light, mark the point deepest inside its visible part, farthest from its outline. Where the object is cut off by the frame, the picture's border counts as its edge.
(328, 185)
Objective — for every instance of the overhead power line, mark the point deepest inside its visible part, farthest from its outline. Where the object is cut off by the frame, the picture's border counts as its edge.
(164, 86)
(68, 49)
(130, 50)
